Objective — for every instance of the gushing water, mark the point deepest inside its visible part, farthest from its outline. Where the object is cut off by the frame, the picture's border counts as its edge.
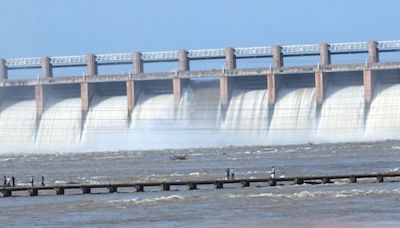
(342, 113)
(199, 120)
(17, 124)
(60, 124)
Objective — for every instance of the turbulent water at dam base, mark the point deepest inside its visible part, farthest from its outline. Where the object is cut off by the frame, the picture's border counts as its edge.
(365, 204)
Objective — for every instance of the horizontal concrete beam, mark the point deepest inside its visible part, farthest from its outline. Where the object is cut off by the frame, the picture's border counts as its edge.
(203, 74)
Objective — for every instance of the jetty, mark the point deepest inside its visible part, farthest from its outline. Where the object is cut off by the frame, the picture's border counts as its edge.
(193, 185)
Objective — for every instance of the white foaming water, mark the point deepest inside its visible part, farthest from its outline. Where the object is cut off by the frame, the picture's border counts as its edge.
(294, 114)
(383, 119)
(247, 116)
(106, 123)
(152, 122)
(342, 113)
(198, 120)
(17, 125)
(60, 124)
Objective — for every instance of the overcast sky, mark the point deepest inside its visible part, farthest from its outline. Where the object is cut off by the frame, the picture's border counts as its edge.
(69, 27)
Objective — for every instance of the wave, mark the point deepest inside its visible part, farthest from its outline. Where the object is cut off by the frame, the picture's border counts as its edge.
(147, 201)
(317, 195)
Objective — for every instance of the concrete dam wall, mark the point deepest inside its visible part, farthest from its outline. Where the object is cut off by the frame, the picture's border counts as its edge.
(233, 106)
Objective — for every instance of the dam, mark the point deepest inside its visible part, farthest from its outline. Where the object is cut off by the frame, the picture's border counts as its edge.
(188, 107)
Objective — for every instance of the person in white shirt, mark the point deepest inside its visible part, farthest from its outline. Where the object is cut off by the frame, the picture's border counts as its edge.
(272, 172)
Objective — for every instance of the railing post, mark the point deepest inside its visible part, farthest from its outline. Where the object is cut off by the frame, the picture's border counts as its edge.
(230, 58)
(47, 69)
(137, 63)
(277, 56)
(373, 53)
(325, 54)
(3, 70)
(91, 65)
(184, 62)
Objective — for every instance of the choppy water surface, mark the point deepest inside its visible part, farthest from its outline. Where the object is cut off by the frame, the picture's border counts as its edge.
(339, 204)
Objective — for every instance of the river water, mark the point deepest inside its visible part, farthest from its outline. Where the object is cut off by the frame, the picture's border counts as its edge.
(340, 204)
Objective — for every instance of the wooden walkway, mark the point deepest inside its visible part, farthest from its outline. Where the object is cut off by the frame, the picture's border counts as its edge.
(192, 185)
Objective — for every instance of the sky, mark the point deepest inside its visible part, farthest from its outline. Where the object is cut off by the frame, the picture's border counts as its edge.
(75, 27)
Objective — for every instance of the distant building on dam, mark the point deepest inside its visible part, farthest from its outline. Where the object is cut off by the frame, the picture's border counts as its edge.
(247, 96)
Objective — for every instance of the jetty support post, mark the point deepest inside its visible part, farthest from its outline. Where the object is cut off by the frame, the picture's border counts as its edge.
(6, 192)
(272, 182)
(165, 186)
(298, 180)
(192, 186)
(85, 190)
(379, 179)
(245, 184)
(138, 188)
(219, 185)
(112, 189)
(59, 191)
(33, 192)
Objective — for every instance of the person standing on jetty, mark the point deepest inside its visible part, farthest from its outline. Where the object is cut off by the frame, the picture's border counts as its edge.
(32, 181)
(272, 172)
(42, 180)
(13, 181)
(5, 181)
(228, 173)
(8, 181)
(232, 173)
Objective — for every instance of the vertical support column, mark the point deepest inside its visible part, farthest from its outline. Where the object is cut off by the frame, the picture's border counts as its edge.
(137, 63)
(320, 84)
(3, 70)
(130, 93)
(224, 91)
(85, 98)
(277, 57)
(272, 90)
(368, 86)
(230, 59)
(91, 65)
(325, 54)
(184, 63)
(47, 68)
(39, 97)
(176, 84)
(373, 54)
